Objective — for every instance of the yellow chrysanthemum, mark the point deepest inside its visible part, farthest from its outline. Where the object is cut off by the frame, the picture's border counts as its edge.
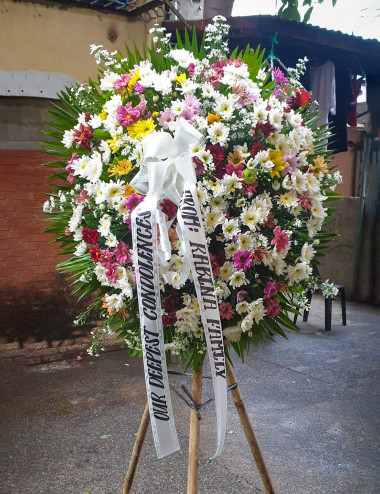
(103, 114)
(135, 77)
(320, 166)
(141, 128)
(113, 144)
(155, 114)
(279, 164)
(128, 191)
(213, 117)
(181, 78)
(122, 167)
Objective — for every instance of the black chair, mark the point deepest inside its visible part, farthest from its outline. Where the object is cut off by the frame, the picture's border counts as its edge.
(328, 308)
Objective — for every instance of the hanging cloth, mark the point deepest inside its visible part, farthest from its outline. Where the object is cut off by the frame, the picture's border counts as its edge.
(322, 85)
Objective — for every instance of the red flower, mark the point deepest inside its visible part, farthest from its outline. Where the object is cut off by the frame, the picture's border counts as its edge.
(95, 253)
(90, 236)
(302, 97)
(169, 208)
(273, 307)
(226, 311)
(83, 136)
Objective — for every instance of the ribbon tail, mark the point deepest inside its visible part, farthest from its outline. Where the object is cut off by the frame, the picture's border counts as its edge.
(144, 233)
(190, 221)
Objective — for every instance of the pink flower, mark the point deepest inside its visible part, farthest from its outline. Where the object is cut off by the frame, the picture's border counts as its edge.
(139, 88)
(70, 169)
(165, 118)
(122, 83)
(122, 253)
(214, 265)
(240, 296)
(169, 208)
(226, 311)
(243, 260)
(192, 102)
(237, 169)
(133, 201)
(271, 289)
(292, 164)
(128, 114)
(111, 270)
(199, 166)
(305, 201)
(273, 307)
(281, 239)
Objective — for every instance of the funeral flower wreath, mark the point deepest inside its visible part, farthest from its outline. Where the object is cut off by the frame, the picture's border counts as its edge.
(262, 181)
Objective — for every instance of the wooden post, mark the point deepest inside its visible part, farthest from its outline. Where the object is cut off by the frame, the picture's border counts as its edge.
(136, 451)
(248, 430)
(193, 465)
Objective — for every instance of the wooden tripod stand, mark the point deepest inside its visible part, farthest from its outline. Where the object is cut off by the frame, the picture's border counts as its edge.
(193, 464)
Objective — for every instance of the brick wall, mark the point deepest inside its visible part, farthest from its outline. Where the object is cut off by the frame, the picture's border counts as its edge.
(36, 299)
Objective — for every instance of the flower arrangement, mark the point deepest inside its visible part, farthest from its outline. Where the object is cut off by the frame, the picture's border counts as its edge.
(263, 184)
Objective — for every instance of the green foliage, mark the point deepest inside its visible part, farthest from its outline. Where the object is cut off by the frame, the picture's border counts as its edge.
(290, 9)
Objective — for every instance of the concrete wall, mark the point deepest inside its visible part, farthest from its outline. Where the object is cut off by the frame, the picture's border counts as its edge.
(55, 37)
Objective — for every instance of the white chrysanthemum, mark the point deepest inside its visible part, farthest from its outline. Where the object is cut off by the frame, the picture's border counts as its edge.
(188, 86)
(211, 219)
(231, 183)
(299, 272)
(183, 57)
(100, 273)
(100, 192)
(162, 83)
(317, 210)
(275, 118)
(94, 168)
(68, 139)
(186, 314)
(205, 156)
(282, 144)
(299, 181)
(232, 333)
(208, 90)
(260, 159)
(312, 183)
(201, 193)
(313, 226)
(247, 323)
(231, 228)
(257, 309)
(288, 199)
(218, 133)
(76, 218)
(242, 307)
(114, 190)
(226, 271)
(307, 253)
(114, 302)
(104, 226)
(81, 166)
(260, 113)
(224, 107)
(230, 250)
(221, 290)
(238, 279)
(218, 203)
(112, 241)
(252, 217)
(217, 188)
(246, 242)
(81, 249)
(106, 83)
(186, 299)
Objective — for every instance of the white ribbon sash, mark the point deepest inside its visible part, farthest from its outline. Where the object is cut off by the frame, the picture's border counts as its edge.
(144, 233)
(168, 173)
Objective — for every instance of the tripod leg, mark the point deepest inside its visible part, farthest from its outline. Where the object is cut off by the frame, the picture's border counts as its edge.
(136, 451)
(248, 430)
(193, 465)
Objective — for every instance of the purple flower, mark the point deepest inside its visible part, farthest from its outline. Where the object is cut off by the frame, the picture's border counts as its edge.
(240, 296)
(243, 260)
(133, 201)
(122, 83)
